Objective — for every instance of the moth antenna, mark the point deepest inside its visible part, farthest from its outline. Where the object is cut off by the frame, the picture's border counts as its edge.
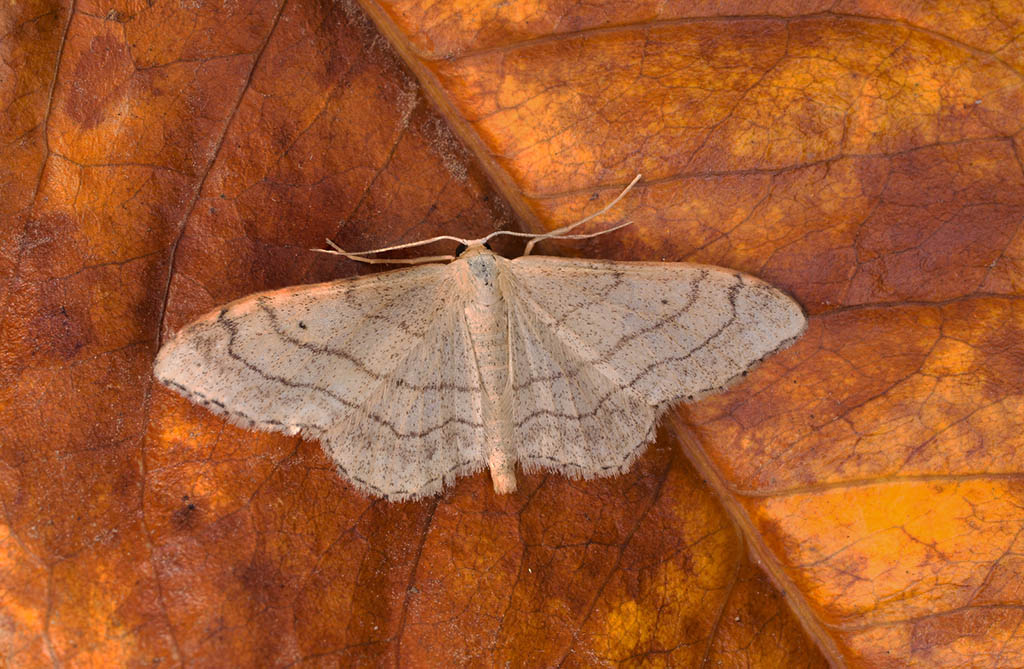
(439, 238)
(589, 234)
(360, 257)
(532, 236)
(560, 232)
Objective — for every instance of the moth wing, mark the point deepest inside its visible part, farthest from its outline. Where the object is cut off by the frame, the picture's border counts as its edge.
(379, 368)
(599, 348)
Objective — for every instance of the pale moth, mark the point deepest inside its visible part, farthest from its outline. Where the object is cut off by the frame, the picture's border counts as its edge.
(415, 377)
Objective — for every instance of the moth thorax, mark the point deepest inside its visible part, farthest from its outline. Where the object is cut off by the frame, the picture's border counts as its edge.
(483, 274)
(487, 318)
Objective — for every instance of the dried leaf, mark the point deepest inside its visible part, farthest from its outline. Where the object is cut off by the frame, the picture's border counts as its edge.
(856, 500)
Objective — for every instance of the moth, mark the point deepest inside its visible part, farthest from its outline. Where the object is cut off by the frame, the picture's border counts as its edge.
(414, 377)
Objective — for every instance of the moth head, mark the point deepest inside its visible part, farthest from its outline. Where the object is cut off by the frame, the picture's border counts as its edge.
(464, 248)
(480, 260)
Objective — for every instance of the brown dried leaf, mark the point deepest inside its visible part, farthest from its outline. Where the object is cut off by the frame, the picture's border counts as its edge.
(861, 497)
